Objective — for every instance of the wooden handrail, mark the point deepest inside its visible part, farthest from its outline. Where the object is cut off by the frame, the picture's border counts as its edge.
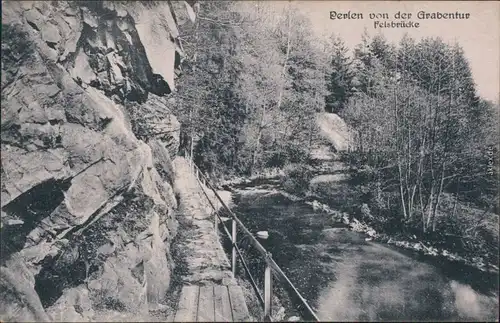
(234, 246)
(270, 263)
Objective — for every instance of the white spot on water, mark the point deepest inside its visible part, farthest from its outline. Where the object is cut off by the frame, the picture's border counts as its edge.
(471, 304)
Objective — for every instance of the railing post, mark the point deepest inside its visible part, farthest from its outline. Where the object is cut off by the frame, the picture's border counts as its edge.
(268, 290)
(188, 157)
(233, 254)
(216, 222)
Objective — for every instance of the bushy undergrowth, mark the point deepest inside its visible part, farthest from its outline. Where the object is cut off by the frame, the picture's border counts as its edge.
(296, 178)
(461, 227)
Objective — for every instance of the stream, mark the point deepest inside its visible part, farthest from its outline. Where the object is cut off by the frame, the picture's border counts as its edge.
(346, 278)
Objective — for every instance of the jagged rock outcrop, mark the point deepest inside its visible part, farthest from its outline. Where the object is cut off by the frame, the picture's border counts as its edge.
(87, 199)
(154, 119)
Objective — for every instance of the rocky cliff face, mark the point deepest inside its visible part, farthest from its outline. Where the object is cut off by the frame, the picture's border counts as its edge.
(86, 184)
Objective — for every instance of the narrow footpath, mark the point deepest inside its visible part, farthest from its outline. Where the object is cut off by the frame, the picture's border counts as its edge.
(210, 292)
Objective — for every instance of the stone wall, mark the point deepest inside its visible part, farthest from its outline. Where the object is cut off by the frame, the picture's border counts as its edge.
(87, 202)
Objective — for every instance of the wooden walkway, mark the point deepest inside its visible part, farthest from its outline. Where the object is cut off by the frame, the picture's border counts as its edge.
(212, 303)
(209, 293)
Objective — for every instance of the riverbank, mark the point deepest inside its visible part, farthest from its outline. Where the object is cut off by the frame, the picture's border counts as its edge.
(423, 247)
(272, 173)
(345, 277)
(410, 243)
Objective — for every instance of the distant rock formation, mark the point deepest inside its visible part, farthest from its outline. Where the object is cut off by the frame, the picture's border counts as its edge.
(86, 188)
(334, 129)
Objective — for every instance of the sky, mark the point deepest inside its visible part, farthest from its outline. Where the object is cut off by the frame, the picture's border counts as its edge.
(479, 35)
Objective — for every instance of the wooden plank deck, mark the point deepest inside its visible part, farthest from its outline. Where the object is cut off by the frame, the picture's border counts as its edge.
(212, 303)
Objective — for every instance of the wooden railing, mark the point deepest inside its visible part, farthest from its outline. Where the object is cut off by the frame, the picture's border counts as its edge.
(266, 300)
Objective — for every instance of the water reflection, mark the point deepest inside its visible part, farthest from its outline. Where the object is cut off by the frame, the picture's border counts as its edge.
(346, 278)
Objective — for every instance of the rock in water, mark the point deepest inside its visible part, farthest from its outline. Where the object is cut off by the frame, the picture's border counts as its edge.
(263, 234)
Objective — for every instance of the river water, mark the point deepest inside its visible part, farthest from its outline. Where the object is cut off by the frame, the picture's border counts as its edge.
(346, 278)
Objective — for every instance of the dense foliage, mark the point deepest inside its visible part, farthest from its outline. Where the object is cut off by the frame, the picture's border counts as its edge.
(425, 143)
(253, 81)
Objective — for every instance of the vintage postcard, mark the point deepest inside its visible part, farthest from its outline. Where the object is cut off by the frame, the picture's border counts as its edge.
(220, 161)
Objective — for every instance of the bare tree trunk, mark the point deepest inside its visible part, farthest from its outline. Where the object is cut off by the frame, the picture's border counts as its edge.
(445, 152)
(401, 190)
(422, 208)
(418, 180)
(410, 192)
(195, 58)
(360, 135)
(280, 98)
(400, 175)
(287, 55)
(257, 144)
(429, 206)
(456, 201)
(310, 137)
(436, 204)
(435, 119)
(408, 171)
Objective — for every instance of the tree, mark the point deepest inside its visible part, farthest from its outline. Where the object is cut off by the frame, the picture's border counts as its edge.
(248, 98)
(384, 52)
(339, 80)
(209, 110)
(370, 66)
(419, 122)
(288, 89)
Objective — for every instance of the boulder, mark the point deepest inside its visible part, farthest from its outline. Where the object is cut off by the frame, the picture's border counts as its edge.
(50, 34)
(334, 130)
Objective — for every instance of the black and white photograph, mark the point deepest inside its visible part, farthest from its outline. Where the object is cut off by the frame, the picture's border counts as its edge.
(250, 161)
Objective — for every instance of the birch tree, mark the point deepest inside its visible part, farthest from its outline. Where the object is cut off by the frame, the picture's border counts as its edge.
(418, 120)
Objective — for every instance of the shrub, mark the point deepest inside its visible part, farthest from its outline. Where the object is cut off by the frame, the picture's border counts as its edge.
(284, 154)
(296, 178)
(365, 212)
